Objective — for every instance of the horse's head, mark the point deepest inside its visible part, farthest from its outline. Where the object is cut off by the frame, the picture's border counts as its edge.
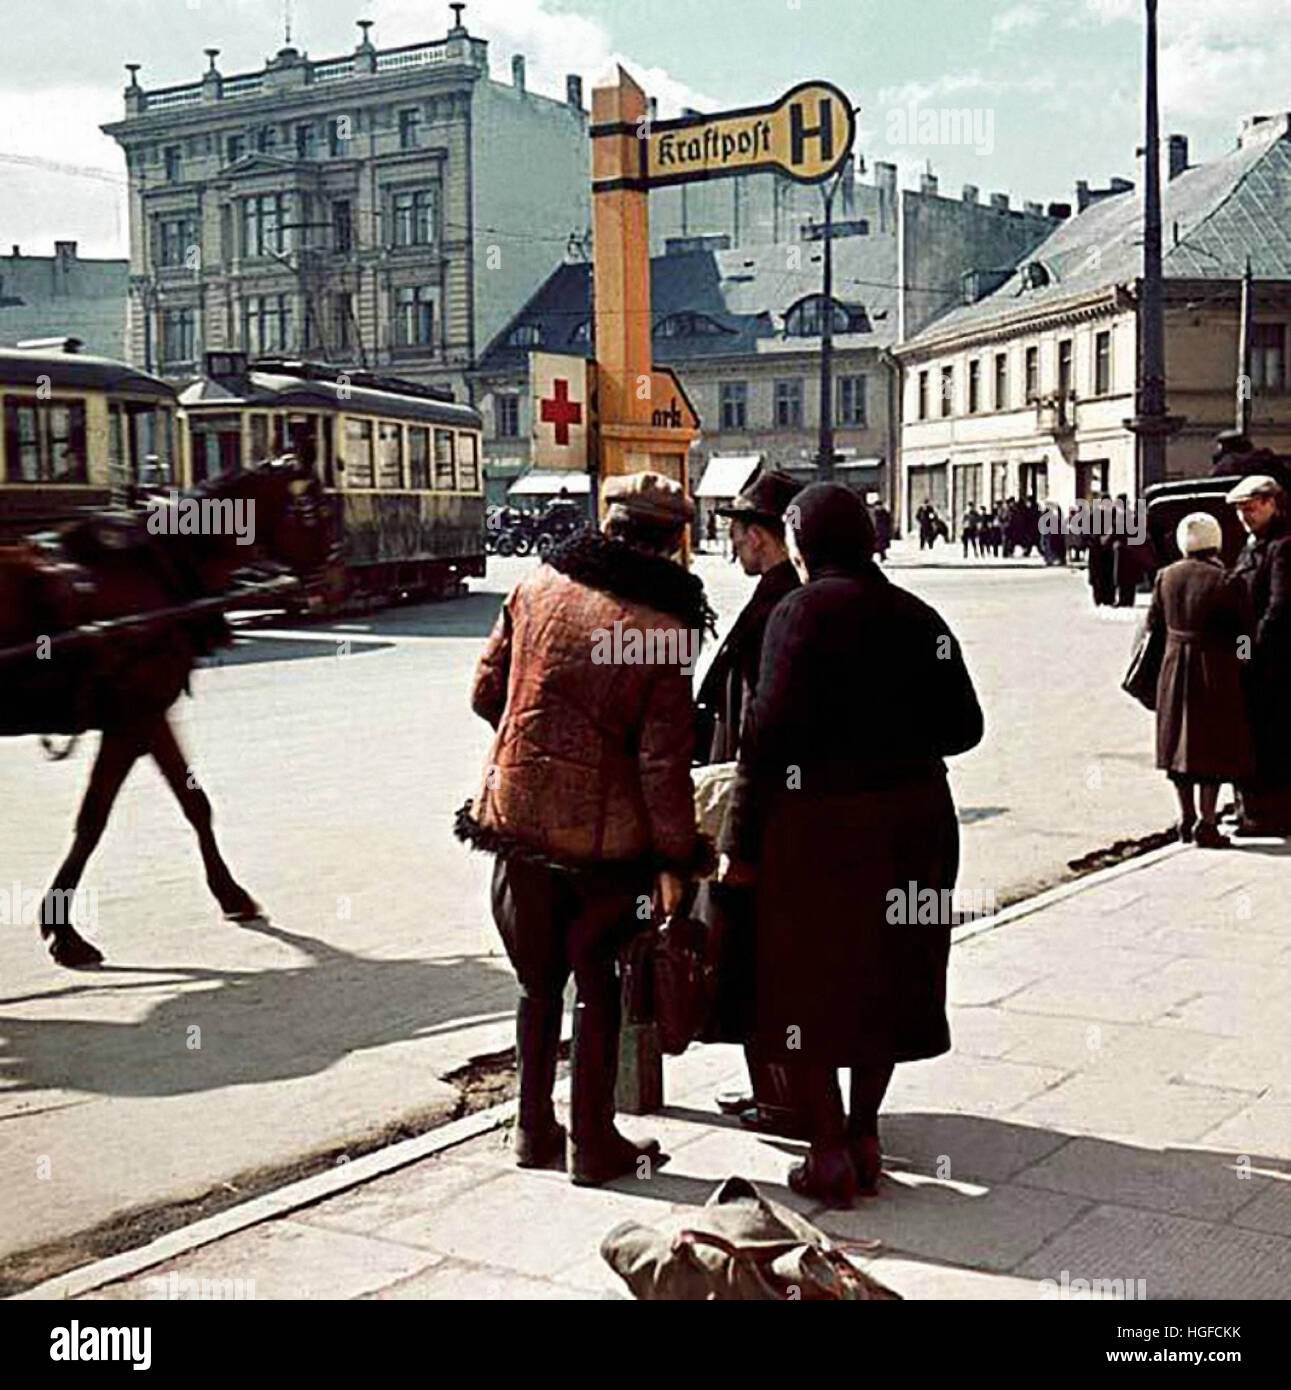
(283, 513)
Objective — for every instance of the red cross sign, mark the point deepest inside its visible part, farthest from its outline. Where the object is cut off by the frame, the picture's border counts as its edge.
(560, 411)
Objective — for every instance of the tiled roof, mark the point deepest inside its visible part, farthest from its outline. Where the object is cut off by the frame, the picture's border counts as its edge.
(1213, 217)
(744, 292)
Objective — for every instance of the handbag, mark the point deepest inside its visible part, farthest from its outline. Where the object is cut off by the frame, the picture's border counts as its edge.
(682, 980)
(738, 1246)
(1145, 665)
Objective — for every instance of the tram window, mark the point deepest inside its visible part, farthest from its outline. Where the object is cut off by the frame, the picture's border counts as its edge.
(259, 438)
(358, 453)
(468, 463)
(303, 432)
(418, 458)
(445, 462)
(45, 441)
(390, 453)
(152, 445)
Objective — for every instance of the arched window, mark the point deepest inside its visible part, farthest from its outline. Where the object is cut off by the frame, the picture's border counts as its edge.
(806, 319)
(525, 335)
(582, 332)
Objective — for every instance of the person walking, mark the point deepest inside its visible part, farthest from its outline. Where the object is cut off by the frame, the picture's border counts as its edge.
(1203, 738)
(840, 800)
(1264, 567)
(725, 696)
(968, 530)
(587, 800)
(1100, 562)
(926, 517)
(882, 530)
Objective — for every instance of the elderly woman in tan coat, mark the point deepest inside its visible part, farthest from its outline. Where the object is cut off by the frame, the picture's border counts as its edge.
(1203, 733)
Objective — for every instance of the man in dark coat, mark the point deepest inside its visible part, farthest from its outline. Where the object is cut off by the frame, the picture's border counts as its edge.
(1264, 566)
(757, 532)
(587, 796)
(882, 530)
(840, 803)
(1102, 575)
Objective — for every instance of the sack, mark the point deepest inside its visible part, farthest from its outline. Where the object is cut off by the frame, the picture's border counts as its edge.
(1145, 665)
(738, 1245)
(683, 982)
(714, 785)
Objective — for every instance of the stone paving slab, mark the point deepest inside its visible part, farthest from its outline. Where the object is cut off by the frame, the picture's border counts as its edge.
(1131, 1127)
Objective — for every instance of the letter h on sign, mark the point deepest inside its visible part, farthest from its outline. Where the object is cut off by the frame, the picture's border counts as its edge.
(800, 132)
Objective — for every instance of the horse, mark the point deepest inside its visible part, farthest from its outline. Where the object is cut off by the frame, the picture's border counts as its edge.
(101, 624)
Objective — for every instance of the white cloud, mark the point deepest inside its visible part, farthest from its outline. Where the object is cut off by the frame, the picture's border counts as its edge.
(1018, 17)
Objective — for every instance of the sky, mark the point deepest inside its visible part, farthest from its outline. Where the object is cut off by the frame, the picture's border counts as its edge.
(1054, 86)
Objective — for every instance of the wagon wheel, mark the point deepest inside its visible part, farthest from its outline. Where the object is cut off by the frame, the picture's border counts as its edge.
(523, 545)
(506, 545)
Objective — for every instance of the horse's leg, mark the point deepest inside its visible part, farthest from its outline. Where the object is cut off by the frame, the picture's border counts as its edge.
(235, 901)
(116, 756)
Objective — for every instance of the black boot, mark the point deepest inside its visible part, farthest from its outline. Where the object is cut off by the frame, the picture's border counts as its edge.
(598, 1152)
(539, 1138)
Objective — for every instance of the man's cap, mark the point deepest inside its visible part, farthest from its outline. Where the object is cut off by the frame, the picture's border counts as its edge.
(765, 499)
(1257, 485)
(647, 496)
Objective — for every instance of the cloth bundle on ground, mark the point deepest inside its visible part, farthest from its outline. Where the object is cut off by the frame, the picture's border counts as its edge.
(738, 1246)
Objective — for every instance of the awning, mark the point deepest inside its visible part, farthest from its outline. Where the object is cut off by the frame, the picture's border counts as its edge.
(548, 482)
(727, 474)
(844, 464)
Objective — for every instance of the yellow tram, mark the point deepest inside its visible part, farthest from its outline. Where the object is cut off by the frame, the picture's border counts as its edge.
(401, 463)
(76, 431)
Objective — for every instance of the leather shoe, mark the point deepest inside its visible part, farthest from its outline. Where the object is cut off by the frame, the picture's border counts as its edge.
(617, 1157)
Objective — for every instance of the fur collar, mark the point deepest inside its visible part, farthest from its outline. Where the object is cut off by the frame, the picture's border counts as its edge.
(614, 568)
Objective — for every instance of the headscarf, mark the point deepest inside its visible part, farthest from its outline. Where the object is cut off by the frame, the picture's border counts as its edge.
(833, 529)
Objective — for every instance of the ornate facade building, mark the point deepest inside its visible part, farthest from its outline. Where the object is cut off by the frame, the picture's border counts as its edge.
(391, 208)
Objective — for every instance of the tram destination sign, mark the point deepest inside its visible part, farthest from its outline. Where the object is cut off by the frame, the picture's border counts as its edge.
(807, 135)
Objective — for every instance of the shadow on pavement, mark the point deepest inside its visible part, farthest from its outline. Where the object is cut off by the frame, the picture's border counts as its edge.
(256, 1026)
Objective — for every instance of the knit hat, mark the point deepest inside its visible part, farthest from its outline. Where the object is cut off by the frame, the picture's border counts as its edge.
(1198, 531)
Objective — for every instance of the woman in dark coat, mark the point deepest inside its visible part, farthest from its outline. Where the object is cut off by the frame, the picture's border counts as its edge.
(1203, 734)
(840, 807)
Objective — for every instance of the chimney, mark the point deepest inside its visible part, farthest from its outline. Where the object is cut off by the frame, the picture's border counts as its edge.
(885, 179)
(971, 191)
(928, 185)
(652, 109)
(517, 73)
(1000, 202)
(574, 90)
(1034, 209)
(65, 251)
(1083, 199)
(17, 251)
(1060, 211)
(1176, 156)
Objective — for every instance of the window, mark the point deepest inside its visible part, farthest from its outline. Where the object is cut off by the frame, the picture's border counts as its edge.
(267, 138)
(174, 237)
(445, 461)
(468, 462)
(1102, 363)
(506, 415)
(235, 148)
(788, 403)
(414, 317)
(342, 320)
(179, 336)
(306, 141)
(174, 158)
(849, 401)
(418, 457)
(1033, 375)
(259, 438)
(45, 441)
(735, 405)
(343, 226)
(525, 335)
(947, 390)
(414, 217)
(1065, 378)
(358, 453)
(806, 319)
(1268, 357)
(923, 395)
(409, 125)
(1001, 380)
(389, 455)
(152, 445)
(687, 324)
(338, 136)
(974, 386)
(263, 229)
(266, 323)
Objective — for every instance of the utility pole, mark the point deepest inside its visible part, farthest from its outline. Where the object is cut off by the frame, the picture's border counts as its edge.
(1151, 424)
(1245, 387)
(825, 451)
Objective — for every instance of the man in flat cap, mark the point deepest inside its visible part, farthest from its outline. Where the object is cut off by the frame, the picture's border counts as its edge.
(725, 696)
(1265, 567)
(587, 801)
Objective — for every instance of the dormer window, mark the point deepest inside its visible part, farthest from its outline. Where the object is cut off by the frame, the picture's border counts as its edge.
(688, 324)
(525, 335)
(806, 319)
(1035, 276)
(582, 332)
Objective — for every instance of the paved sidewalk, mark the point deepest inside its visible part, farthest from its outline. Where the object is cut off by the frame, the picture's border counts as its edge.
(1117, 1106)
